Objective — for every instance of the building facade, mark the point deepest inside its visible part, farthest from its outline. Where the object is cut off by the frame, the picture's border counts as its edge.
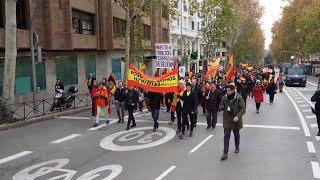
(78, 38)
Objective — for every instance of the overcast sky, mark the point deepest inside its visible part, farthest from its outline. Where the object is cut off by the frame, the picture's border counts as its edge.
(272, 13)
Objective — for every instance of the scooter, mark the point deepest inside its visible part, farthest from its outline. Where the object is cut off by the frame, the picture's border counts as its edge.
(64, 100)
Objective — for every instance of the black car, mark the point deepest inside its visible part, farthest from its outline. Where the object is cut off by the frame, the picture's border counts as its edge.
(295, 76)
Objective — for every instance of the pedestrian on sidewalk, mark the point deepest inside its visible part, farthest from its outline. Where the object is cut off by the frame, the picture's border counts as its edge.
(233, 108)
(316, 98)
(189, 109)
(155, 101)
(257, 93)
(271, 90)
(131, 100)
(119, 97)
(212, 101)
(176, 106)
(101, 100)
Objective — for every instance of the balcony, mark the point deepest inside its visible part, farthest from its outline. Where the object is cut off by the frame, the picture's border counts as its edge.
(80, 41)
(22, 38)
(185, 31)
(118, 42)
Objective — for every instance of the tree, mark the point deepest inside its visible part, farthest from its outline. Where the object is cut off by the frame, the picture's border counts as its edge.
(135, 10)
(10, 58)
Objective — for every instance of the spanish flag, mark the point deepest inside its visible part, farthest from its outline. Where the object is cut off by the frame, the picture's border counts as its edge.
(231, 72)
(176, 99)
(214, 67)
(143, 67)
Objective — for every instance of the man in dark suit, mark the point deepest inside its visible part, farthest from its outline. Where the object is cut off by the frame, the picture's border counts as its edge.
(189, 108)
(197, 95)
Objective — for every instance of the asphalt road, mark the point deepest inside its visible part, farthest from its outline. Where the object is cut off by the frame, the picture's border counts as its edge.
(278, 144)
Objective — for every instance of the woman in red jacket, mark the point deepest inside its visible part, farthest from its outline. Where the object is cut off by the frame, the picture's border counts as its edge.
(101, 99)
(257, 92)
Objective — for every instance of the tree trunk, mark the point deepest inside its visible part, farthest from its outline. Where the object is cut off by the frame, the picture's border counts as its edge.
(10, 59)
(127, 45)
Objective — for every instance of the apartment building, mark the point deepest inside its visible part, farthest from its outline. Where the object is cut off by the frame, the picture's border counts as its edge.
(78, 38)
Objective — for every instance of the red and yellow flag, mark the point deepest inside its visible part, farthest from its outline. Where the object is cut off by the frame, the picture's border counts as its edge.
(162, 84)
(231, 72)
(213, 69)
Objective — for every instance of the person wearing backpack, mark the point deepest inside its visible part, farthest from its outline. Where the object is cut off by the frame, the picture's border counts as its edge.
(233, 108)
(316, 98)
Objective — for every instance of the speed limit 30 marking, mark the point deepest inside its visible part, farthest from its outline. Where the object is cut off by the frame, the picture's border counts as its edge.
(140, 136)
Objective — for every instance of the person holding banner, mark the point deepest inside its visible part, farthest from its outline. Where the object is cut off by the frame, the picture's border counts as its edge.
(189, 109)
(131, 102)
(155, 101)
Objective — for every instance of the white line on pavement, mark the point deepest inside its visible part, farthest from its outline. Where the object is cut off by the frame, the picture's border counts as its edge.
(103, 125)
(300, 101)
(164, 174)
(311, 148)
(307, 100)
(306, 110)
(245, 125)
(199, 145)
(61, 140)
(297, 98)
(314, 125)
(304, 105)
(73, 117)
(15, 156)
(312, 83)
(301, 118)
(315, 169)
(318, 138)
(311, 117)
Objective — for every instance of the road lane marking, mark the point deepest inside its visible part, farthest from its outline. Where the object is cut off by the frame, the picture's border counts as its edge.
(112, 121)
(311, 117)
(301, 118)
(307, 100)
(61, 140)
(318, 138)
(15, 156)
(201, 144)
(312, 83)
(297, 98)
(300, 101)
(245, 125)
(314, 125)
(311, 148)
(315, 169)
(304, 105)
(164, 174)
(306, 110)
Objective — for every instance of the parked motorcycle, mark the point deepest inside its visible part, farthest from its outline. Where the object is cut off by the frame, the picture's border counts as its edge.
(64, 100)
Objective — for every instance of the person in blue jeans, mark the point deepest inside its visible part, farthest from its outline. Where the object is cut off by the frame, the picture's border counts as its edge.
(155, 101)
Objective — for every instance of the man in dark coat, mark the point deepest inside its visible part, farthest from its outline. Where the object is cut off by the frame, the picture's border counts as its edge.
(155, 100)
(197, 95)
(316, 98)
(233, 108)
(131, 100)
(213, 98)
(243, 89)
(119, 97)
(189, 108)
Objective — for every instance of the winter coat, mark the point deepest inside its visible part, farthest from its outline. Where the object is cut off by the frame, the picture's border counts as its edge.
(120, 94)
(197, 92)
(236, 107)
(131, 100)
(243, 89)
(189, 103)
(271, 89)
(155, 100)
(213, 100)
(316, 98)
(257, 92)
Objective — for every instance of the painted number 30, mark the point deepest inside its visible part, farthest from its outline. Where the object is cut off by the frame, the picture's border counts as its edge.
(56, 166)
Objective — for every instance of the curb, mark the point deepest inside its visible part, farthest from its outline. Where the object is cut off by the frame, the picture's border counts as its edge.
(27, 122)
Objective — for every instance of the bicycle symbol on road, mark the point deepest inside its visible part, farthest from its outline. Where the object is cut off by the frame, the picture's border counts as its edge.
(136, 139)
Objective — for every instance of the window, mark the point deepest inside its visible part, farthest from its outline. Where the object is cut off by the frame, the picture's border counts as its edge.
(192, 25)
(116, 67)
(90, 65)
(178, 22)
(198, 26)
(2, 15)
(119, 26)
(67, 69)
(176, 4)
(23, 80)
(224, 44)
(191, 12)
(146, 31)
(224, 54)
(202, 23)
(82, 23)
(21, 14)
(185, 21)
(165, 35)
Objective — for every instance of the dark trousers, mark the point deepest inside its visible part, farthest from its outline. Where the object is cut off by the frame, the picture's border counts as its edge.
(155, 117)
(195, 116)
(93, 108)
(172, 116)
(227, 133)
(271, 97)
(130, 118)
(258, 106)
(318, 120)
(179, 121)
(204, 108)
(185, 121)
(212, 118)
